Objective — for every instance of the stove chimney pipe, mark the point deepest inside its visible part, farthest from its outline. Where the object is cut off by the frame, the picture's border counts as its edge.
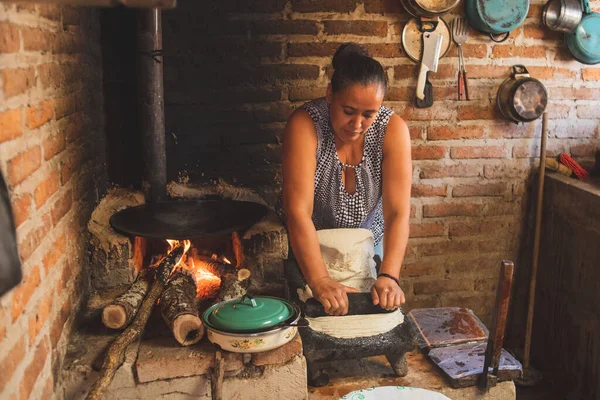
(151, 104)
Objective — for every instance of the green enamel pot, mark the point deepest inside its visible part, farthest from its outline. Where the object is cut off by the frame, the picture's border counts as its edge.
(496, 17)
(584, 41)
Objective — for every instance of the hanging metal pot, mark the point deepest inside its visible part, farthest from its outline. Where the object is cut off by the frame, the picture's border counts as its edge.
(429, 8)
(584, 41)
(496, 17)
(562, 15)
(522, 98)
(252, 324)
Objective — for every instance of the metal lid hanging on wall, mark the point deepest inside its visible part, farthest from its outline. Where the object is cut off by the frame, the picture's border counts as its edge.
(522, 98)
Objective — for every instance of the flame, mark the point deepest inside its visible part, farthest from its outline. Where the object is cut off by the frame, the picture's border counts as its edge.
(186, 246)
(225, 260)
(207, 283)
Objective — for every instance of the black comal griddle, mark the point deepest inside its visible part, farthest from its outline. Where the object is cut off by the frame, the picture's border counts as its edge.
(182, 220)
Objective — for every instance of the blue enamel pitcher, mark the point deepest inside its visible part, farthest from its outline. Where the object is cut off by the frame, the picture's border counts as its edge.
(496, 17)
(584, 41)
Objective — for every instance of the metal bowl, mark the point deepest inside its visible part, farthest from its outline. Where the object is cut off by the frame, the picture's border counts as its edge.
(562, 15)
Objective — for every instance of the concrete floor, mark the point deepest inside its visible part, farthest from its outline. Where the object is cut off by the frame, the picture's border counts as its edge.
(347, 376)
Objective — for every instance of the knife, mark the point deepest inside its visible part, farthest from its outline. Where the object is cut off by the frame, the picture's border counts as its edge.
(432, 44)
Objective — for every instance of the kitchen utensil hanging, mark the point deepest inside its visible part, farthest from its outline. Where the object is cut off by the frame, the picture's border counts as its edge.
(496, 17)
(521, 98)
(429, 8)
(562, 15)
(584, 41)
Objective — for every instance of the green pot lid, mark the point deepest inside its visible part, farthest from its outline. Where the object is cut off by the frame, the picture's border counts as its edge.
(248, 313)
(587, 35)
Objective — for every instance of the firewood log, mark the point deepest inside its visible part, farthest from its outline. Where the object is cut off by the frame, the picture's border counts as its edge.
(179, 310)
(234, 283)
(116, 352)
(120, 313)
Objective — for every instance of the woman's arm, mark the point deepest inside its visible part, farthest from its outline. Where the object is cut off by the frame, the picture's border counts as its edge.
(397, 180)
(299, 166)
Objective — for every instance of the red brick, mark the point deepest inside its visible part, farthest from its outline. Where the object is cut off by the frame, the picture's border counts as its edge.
(383, 7)
(458, 132)
(37, 321)
(426, 114)
(312, 49)
(510, 130)
(420, 190)
(39, 114)
(59, 322)
(488, 71)
(362, 28)
(24, 164)
(445, 93)
(285, 27)
(475, 112)
(451, 210)
(69, 166)
(535, 11)
(53, 145)
(537, 32)
(254, 6)
(420, 269)
(34, 238)
(10, 363)
(24, 291)
(54, 254)
(415, 133)
(492, 189)
(444, 71)
(35, 39)
(449, 171)
(588, 111)
(479, 304)
(486, 285)
(444, 248)
(64, 106)
(50, 11)
(590, 74)
(442, 286)
(11, 125)
(33, 370)
(503, 171)
(428, 152)
(469, 51)
(384, 50)
(323, 5)
(426, 230)
(62, 206)
(413, 211)
(463, 265)
(528, 151)
(21, 207)
(577, 129)
(17, 81)
(65, 277)
(9, 38)
(569, 93)
(306, 93)
(51, 75)
(551, 73)
(509, 50)
(478, 152)
(422, 302)
(45, 189)
(400, 94)
(406, 71)
(26, 7)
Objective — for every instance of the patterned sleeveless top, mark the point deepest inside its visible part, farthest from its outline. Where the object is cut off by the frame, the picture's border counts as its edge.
(333, 206)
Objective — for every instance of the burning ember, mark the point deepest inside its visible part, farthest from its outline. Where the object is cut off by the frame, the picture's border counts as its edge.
(203, 270)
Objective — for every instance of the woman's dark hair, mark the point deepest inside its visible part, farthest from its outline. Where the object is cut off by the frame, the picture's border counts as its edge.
(352, 64)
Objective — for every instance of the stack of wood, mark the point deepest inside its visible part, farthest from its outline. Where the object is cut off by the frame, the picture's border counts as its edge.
(176, 289)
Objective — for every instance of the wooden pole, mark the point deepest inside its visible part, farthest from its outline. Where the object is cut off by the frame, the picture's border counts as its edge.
(116, 352)
(536, 243)
(216, 381)
(178, 309)
(121, 312)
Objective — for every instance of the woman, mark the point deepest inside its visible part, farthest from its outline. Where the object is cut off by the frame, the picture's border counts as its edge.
(360, 176)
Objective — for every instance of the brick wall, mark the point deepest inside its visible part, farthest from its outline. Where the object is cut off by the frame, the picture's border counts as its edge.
(51, 155)
(235, 70)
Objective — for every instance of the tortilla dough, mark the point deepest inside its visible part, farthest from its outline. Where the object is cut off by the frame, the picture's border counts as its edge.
(356, 326)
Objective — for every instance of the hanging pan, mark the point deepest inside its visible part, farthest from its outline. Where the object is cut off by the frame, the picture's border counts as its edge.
(182, 220)
(584, 41)
(522, 98)
(496, 17)
(429, 8)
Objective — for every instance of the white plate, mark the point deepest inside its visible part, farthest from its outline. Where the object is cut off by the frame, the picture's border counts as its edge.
(394, 393)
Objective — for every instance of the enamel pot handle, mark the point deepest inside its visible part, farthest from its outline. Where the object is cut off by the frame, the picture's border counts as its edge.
(500, 39)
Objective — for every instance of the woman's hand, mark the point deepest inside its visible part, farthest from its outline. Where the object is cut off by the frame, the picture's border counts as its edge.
(387, 293)
(333, 295)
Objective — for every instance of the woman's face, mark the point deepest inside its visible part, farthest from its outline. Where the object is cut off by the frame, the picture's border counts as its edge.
(353, 110)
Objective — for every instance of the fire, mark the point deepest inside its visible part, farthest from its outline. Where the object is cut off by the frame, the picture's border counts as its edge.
(202, 270)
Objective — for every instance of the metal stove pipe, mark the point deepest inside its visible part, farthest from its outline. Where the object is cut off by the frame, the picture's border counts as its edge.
(151, 104)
